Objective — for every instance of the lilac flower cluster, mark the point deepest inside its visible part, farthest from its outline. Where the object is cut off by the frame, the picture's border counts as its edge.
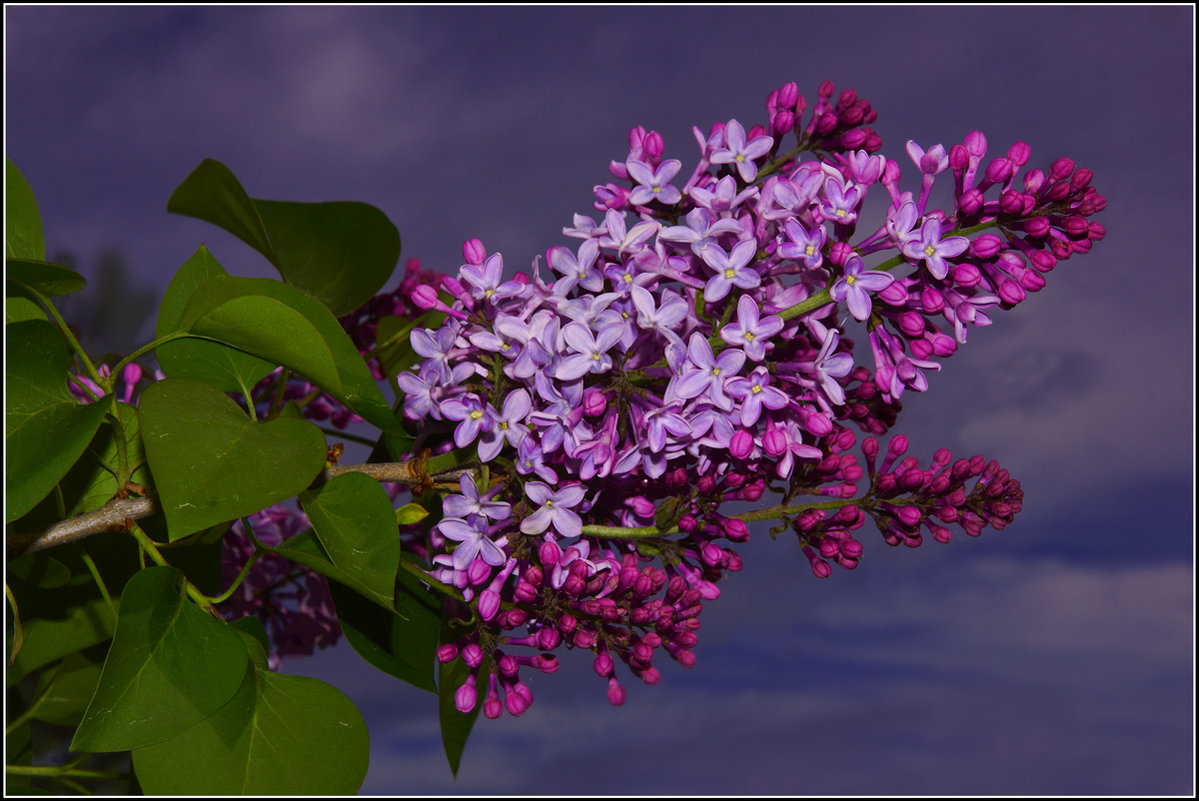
(692, 349)
(292, 601)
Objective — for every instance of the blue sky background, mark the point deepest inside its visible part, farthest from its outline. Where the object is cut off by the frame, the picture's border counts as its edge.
(1056, 657)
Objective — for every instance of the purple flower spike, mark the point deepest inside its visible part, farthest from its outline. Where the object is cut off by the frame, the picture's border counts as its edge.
(557, 509)
(855, 286)
(741, 153)
(930, 247)
(751, 332)
(655, 184)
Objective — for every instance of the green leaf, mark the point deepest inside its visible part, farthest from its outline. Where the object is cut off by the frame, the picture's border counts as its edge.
(305, 549)
(23, 237)
(284, 326)
(19, 306)
(212, 464)
(40, 410)
(279, 735)
(170, 666)
(60, 619)
(455, 726)
(49, 279)
(64, 694)
(411, 513)
(252, 626)
(221, 365)
(340, 253)
(401, 643)
(92, 482)
(353, 518)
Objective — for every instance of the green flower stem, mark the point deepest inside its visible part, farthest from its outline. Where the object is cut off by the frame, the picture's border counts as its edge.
(66, 332)
(150, 547)
(62, 771)
(95, 571)
(144, 349)
(224, 596)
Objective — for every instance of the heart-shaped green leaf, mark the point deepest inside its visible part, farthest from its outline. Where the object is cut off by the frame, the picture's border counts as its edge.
(279, 735)
(23, 237)
(221, 365)
(401, 643)
(284, 326)
(340, 253)
(169, 667)
(212, 464)
(40, 410)
(305, 549)
(354, 520)
(92, 482)
(63, 695)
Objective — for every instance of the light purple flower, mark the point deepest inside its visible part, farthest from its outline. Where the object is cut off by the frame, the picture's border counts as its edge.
(626, 240)
(508, 425)
(700, 229)
(840, 202)
(485, 279)
(579, 270)
(739, 152)
(590, 351)
(556, 509)
(804, 246)
(472, 536)
(751, 332)
(531, 459)
(709, 373)
(665, 317)
(732, 269)
(724, 197)
(654, 184)
(435, 346)
(930, 247)
(855, 286)
(756, 392)
(474, 416)
(830, 365)
(469, 503)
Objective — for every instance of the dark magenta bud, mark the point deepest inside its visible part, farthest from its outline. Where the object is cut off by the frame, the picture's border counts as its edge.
(594, 403)
(1011, 202)
(976, 144)
(959, 159)
(1037, 227)
(999, 170)
(986, 246)
(971, 202)
(1019, 153)
(474, 252)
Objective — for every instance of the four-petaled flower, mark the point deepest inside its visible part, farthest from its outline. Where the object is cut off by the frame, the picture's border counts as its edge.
(856, 284)
(929, 246)
(557, 509)
(732, 269)
(654, 184)
(739, 152)
(471, 534)
(750, 331)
